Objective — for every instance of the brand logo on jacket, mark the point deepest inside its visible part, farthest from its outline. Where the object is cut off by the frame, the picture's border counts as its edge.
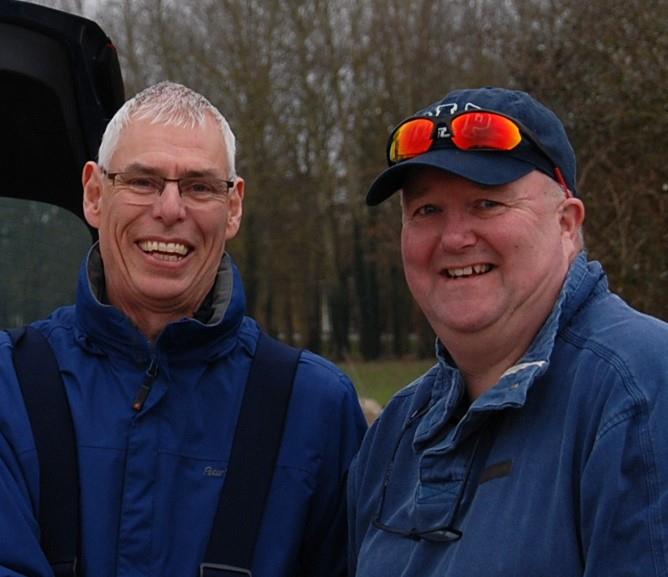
(213, 472)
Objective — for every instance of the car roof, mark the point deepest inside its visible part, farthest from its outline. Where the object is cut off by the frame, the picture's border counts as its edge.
(61, 83)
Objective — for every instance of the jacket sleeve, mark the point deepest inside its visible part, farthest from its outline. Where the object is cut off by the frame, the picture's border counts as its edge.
(324, 549)
(624, 493)
(20, 552)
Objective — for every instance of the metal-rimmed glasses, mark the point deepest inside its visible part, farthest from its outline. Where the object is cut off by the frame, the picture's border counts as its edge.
(146, 187)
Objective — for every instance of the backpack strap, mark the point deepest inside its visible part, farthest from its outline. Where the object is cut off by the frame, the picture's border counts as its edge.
(51, 421)
(257, 441)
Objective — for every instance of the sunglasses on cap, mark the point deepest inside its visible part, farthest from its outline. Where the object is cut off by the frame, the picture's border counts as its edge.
(470, 130)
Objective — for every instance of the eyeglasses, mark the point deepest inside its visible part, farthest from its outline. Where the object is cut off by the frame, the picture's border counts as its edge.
(467, 130)
(444, 534)
(146, 187)
(438, 534)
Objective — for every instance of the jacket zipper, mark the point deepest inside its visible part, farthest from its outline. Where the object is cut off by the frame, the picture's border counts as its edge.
(145, 388)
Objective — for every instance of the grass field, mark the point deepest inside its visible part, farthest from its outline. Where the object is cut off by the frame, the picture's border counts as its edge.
(379, 380)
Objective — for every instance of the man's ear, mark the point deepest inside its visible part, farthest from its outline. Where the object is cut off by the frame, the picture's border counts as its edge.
(571, 218)
(235, 203)
(92, 198)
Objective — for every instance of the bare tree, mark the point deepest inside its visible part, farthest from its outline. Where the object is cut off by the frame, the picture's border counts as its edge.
(312, 88)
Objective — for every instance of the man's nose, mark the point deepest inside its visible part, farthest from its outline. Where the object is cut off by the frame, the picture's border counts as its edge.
(458, 231)
(169, 206)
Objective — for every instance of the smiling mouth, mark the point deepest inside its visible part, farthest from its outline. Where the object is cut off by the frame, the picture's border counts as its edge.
(167, 251)
(468, 271)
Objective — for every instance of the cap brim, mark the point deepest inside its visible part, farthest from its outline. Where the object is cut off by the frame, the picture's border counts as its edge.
(483, 167)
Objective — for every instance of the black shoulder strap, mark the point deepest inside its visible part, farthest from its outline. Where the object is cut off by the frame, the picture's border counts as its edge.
(51, 422)
(257, 441)
(256, 445)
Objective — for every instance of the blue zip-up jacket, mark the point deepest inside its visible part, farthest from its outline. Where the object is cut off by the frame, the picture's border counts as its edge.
(150, 480)
(559, 470)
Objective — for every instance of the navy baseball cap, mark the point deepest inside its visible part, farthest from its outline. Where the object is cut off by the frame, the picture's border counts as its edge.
(489, 167)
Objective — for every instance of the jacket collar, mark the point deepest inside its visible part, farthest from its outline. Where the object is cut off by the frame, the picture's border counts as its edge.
(105, 328)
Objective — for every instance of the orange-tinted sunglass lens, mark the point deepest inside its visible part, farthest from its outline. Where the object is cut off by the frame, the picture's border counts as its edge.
(484, 130)
(412, 138)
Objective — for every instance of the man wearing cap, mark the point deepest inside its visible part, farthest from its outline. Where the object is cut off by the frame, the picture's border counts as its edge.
(537, 444)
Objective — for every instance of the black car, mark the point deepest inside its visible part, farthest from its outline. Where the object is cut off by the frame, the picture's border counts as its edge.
(60, 82)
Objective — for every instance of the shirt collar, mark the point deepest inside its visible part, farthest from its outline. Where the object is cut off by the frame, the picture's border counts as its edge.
(511, 390)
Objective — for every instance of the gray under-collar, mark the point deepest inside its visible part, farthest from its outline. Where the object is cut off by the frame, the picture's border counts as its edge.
(211, 311)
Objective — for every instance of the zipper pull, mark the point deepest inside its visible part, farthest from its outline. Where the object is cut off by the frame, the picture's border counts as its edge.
(145, 389)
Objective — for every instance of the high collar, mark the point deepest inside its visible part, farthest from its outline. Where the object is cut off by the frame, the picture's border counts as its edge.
(446, 385)
(104, 328)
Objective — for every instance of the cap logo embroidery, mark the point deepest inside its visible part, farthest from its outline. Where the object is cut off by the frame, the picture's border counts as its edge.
(450, 108)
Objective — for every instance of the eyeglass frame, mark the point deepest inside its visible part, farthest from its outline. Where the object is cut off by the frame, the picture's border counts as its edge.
(112, 176)
(447, 120)
(439, 534)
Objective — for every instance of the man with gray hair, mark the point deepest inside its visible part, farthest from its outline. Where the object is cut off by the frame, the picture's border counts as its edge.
(155, 357)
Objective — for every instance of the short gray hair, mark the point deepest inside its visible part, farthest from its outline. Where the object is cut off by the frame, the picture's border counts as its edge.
(166, 103)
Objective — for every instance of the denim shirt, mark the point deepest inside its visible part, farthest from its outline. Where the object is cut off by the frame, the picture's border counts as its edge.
(560, 469)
